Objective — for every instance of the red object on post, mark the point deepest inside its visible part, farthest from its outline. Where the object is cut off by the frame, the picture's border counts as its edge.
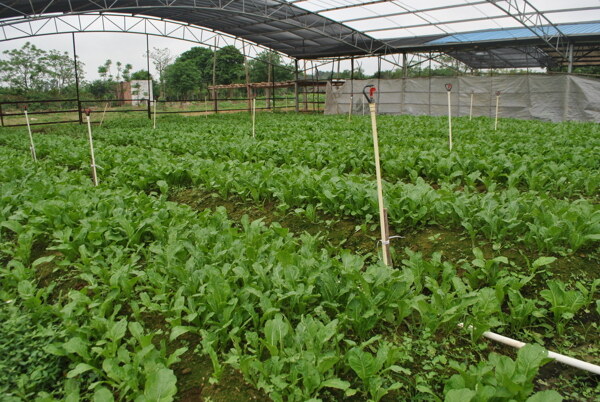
(87, 111)
(448, 87)
(372, 91)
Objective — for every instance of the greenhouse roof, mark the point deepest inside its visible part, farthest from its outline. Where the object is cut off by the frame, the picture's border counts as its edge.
(482, 33)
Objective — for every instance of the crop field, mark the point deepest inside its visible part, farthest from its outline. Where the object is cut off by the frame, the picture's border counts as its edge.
(211, 265)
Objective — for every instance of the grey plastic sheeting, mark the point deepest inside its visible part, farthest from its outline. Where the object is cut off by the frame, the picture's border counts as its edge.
(550, 98)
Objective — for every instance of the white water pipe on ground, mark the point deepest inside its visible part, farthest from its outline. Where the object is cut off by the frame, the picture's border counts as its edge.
(569, 361)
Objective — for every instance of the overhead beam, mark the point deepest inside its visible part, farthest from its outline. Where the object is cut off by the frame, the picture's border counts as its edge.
(534, 20)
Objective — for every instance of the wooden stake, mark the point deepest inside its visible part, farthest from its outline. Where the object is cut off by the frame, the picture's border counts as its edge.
(253, 117)
(89, 124)
(103, 113)
(206, 107)
(385, 241)
(31, 146)
(471, 108)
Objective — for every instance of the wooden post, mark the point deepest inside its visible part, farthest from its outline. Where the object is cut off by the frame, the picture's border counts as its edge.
(497, 108)
(93, 165)
(31, 146)
(385, 241)
(206, 107)
(449, 90)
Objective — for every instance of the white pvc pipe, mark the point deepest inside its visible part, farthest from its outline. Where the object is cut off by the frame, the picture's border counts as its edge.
(253, 117)
(94, 175)
(350, 108)
(471, 108)
(569, 361)
(154, 123)
(31, 146)
(497, 105)
(449, 120)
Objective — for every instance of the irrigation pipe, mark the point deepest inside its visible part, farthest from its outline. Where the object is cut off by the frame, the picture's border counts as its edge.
(569, 361)
(93, 165)
(31, 146)
(497, 106)
(154, 120)
(449, 90)
(471, 108)
(350, 108)
(253, 117)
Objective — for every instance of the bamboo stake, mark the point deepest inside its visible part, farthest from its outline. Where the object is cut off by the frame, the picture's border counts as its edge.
(103, 113)
(206, 107)
(31, 145)
(253, 117)
(497, 107)
(471, 108)
(93, 165)
(449, 90)
(385, 241)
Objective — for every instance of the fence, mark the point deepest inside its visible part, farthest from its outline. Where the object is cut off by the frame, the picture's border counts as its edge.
(543, 97)
(310, 97)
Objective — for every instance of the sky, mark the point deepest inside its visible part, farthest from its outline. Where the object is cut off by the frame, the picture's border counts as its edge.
(95, 48)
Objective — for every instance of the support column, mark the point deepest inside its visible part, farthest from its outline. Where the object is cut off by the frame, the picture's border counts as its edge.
(247, 71)
(351, 85)
(297, 106)
(273, 84)
(214, 78)
(268, 88)
(404, 65)
(149, 80)
(77, 80)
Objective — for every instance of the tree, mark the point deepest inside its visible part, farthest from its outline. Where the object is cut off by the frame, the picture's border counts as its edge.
(140, 75)
(102, 89)
(31, 68)
(123, 72)
(23, 70)
(259, 68)
(183, 78)
(105, 70)
(203, 60)
(161, 58)
(59, 71)
(230, 65)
